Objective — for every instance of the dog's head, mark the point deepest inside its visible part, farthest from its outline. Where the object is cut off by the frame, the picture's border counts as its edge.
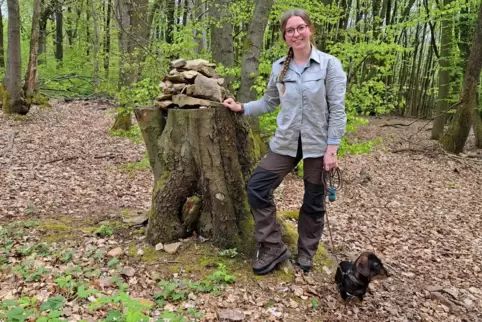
(370, 266)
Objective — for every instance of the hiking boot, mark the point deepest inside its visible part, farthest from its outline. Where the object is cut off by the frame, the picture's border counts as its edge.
(270, 256)
(305, 262)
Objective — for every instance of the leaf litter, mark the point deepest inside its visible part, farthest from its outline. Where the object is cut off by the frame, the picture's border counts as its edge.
(63, 177)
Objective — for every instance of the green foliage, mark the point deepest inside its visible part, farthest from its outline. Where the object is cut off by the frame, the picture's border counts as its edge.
(104, 231)
(134, 133)
(231, 253)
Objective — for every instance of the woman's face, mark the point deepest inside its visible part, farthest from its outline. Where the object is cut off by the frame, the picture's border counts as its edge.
(297, 33)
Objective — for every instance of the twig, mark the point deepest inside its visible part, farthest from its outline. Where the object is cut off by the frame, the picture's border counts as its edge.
(62, 159)
(102, 156)
(163, 262)
(396, 124)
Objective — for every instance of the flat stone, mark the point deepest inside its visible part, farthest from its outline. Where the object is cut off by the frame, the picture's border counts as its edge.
(135, 220)
(159, 246)
(195, 64)
(190, 74)
(172, 248)
(182, 100)
(207, 88)
(178, 87)
(230, 315)
(178, 63)
(128, 271)
(116, 252)
(163, 105)
(164, 97)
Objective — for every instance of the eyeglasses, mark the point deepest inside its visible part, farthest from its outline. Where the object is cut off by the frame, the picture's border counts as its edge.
(291, 31)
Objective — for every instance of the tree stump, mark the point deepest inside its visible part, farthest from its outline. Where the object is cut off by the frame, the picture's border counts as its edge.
(201, 155)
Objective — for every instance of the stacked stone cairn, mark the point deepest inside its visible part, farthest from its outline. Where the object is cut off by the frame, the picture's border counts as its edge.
(192, 84)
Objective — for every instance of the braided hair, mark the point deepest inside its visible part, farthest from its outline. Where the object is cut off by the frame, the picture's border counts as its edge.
(285, 69)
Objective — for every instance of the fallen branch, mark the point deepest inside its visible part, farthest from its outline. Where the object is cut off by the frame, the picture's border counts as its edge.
(396, 124)
(102, 156)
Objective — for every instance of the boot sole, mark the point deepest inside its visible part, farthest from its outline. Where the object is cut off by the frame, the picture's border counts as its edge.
(281, 258)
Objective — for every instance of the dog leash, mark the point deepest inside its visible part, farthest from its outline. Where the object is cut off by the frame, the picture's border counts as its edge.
(332, 182)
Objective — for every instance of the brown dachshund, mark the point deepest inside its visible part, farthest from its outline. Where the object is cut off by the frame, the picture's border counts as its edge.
(352, 279)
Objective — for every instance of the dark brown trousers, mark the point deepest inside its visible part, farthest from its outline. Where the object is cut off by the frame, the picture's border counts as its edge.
(266, 178)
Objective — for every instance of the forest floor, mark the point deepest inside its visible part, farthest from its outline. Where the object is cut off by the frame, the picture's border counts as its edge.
(71, 249)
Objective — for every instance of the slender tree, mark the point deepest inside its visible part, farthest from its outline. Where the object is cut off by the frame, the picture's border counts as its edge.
(455, 138)
(252, 50)
(107, 38)
(59, 36)
(2, 52)
(13, 102)
(444, 74)
(222, 46)
(132, 19)
(30, 85)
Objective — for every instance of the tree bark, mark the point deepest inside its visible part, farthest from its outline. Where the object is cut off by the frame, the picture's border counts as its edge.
(443, 76)
(107, 39)
(95, 75)
(13, 102)
(42, 42)
(132, 19)
(170, 10)
(477, 126)
(30, 86)
(2, 50)
(252, 50)
(59, 37)
(455, 138)
(151, 122)
(221, 37)
(207, 154)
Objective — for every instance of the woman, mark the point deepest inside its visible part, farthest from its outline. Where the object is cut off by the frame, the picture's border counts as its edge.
(310, 86)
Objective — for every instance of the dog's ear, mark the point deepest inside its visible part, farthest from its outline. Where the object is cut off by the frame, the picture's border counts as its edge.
(362, 265)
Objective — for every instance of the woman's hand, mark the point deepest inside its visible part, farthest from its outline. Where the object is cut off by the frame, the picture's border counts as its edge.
(329, 159)
(232, 105)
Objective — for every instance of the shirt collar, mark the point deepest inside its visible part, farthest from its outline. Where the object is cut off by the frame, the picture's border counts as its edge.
(313, 56)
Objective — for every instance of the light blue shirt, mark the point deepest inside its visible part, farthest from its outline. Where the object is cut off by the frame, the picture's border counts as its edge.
(313, 105)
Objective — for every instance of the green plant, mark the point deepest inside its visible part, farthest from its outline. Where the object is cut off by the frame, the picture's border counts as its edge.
(104, 231)
(231, 253)
(113, 262)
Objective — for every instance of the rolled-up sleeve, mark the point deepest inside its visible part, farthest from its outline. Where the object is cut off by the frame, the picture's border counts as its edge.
(268, 103)
(335, 92)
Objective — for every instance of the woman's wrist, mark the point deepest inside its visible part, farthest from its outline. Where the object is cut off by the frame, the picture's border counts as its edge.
(332, 149)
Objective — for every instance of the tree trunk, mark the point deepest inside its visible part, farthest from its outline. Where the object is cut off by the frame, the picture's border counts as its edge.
(59, 37)
(107, 39)
(30, 86)
(2, 50)
(443, 75)
(221, 37)
(171, 6)
(42, 42)
(477, 127)
(456, 136)
(252, 50)
(13, 102)
(204, 157)
(132, 18)
(95, 75)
